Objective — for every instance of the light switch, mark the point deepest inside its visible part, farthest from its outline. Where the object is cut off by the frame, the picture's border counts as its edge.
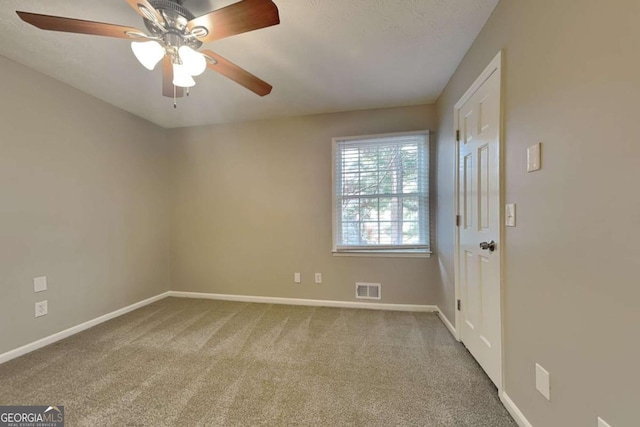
(40, 284)
(510, 215)
(296, 277)
(534, 158)
(542, 382)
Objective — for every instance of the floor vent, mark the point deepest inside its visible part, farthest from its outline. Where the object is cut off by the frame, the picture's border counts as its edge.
(368, 290)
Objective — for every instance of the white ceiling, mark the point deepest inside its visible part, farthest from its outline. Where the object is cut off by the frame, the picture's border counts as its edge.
(325, 56)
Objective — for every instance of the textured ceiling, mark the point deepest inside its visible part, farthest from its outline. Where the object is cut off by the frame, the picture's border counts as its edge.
(325, 56)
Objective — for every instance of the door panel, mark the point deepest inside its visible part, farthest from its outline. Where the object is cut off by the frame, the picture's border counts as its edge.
(472, 291)
(483, 172)
(468, 190)
(479, 201)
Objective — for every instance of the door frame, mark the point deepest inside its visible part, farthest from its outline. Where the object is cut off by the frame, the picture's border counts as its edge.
(495, 66)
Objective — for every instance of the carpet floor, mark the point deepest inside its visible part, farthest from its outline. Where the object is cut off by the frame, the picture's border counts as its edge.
(185, 362)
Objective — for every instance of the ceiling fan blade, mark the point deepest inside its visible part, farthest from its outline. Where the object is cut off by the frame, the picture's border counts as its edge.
(146, 10)
(69, 25)
(167, 80)
(246, 15)
(237, 74)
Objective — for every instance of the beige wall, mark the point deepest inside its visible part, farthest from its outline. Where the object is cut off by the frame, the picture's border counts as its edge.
(83, 201)
(571, 288)
(252, 205)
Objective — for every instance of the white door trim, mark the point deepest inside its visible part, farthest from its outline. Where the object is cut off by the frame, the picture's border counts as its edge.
(495, 66)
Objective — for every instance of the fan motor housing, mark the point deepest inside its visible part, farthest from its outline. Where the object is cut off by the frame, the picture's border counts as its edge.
(176, 18)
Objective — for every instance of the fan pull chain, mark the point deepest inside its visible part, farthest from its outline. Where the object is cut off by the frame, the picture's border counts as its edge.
(175, 103)
(187, 91)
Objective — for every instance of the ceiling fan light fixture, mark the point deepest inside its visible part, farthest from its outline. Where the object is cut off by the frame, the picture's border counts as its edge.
(194, 61)
(182, 77)
(171, 26)
(148, 53)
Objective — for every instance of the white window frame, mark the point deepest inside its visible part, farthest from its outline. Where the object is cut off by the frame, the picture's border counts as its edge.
(380, 251)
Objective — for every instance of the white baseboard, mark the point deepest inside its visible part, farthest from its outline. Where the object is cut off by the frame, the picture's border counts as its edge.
(20, 351)
(448, 324)
(517, 415)
(308, 302)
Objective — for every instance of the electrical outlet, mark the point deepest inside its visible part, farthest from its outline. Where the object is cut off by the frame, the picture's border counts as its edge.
(296, 278)
(41, 308)
(318, 277)
(543, 382)
(602, 423)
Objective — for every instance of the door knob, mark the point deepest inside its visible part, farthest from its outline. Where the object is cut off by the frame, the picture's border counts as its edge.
(490, 246)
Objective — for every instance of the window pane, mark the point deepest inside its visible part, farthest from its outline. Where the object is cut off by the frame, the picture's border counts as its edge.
(410, 210)
(350, 160)
(389, 157)
(351, 233)
(369, 159)
(390, 208)
(410, 182)
(386, 182)
(369, 233)
(350, 184)
(390, 233)
(369, 210)
(350, 210)
(410, 157)
(410, 232)
(387, 205)
(369, 183)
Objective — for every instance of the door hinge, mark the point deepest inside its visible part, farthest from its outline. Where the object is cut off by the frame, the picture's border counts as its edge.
(459, 305)
(457, 220)
(458, 136)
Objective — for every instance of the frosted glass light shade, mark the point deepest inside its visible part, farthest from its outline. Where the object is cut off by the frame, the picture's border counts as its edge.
(148, 53)
(182, 77)
(194, 61)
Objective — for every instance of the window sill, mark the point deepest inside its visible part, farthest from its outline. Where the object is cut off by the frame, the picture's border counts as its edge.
(381, 254)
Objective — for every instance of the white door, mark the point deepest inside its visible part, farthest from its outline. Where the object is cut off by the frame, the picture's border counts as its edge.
(479, 229)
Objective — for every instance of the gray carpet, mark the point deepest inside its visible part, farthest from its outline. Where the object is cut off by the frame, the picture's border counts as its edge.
(182, 362)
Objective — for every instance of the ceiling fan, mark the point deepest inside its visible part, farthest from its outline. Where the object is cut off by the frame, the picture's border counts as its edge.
(175, 35)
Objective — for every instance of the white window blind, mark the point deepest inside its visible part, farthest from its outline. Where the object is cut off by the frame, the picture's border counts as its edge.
(381, 193)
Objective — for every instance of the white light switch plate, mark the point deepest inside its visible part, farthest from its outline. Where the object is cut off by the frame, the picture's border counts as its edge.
(318, 277)
(542, 381)
(40, 284)
(510, 215)
(296, 277)
(602, 423)
(534, 158)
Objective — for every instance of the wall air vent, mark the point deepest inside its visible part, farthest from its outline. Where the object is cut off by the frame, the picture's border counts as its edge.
(368, 291)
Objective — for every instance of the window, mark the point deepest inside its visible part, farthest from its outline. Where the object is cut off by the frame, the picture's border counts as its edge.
(381, 194)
